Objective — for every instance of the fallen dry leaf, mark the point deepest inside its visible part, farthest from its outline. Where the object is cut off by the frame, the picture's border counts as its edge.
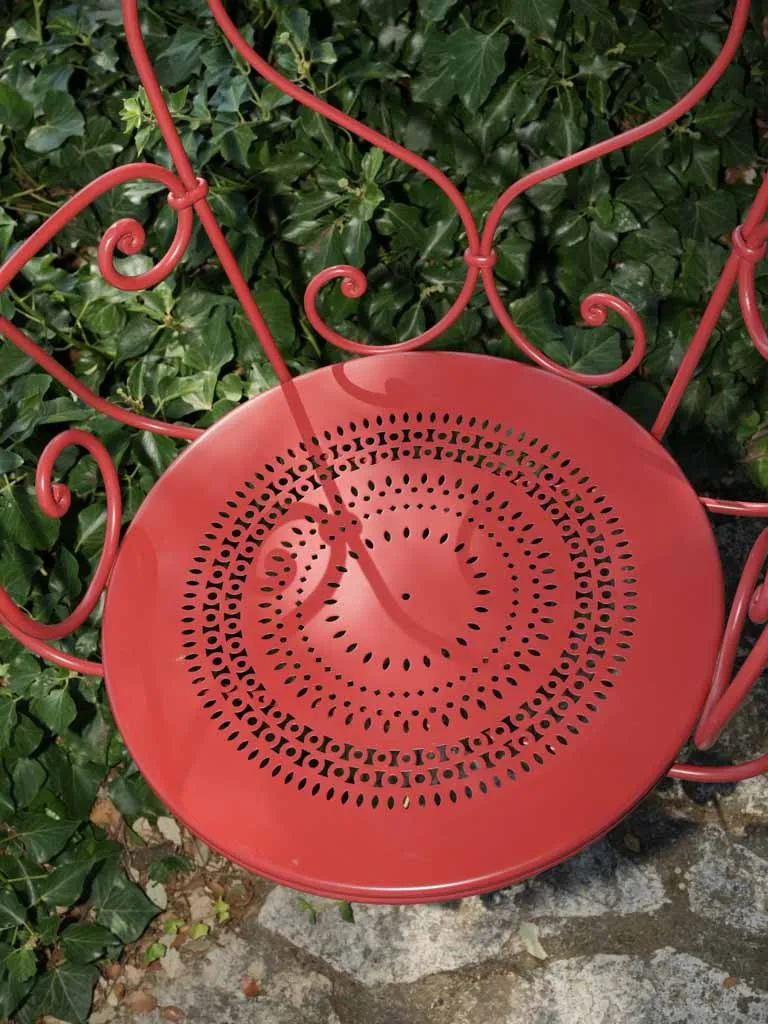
(740, 175)
(169, 830)
(173, 1013)
(529, 934)
(157, 893)
(105, 815)
(249, 986)
(140, 1001)
(201, 853)
(200, 905)
(144, 830)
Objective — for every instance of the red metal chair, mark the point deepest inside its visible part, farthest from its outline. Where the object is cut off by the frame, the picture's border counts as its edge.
(421, 624)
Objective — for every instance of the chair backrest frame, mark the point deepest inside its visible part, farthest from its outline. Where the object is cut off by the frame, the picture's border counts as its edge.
(187, 195)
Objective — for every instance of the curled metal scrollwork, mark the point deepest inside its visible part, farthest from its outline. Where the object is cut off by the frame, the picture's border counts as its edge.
(480, 256)
(54, 499)
(354, 281)
(126, 236)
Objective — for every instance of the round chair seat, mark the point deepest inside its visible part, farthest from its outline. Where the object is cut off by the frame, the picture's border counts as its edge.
(412, 627)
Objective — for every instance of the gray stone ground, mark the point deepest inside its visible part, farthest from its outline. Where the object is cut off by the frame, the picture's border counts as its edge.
(663, 922)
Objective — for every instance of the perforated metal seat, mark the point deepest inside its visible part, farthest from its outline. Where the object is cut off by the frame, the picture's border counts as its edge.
(417, 625)
(412, 601)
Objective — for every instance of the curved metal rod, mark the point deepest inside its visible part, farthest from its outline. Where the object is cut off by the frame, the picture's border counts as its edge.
(750, 251)
(594, 310)
(748, 509)
(191, 185)
(354, 282)
(55, 499)
(742, 249)
(54, 655)
(720, 773)
(727, 692)
(568, 163)
(127, 236)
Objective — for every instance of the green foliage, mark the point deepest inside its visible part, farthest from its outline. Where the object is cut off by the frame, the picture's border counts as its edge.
(486, 91)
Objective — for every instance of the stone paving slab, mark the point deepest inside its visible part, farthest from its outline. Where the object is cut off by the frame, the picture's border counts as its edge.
(670, 929)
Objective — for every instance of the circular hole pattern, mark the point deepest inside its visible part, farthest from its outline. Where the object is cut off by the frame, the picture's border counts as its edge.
(267, 628)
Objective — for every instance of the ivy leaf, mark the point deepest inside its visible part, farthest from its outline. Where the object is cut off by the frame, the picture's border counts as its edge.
(705, 165)
(64, 885)
(538, 17)
(84, 943)
(278, 313)
(21, 964)
(64, 992)
(8, 718)
(181, 58)
(24, 522)
(26, 876)
(13, 990)
(15, 111)
(45, 836)
(355, 236)
(477, 60)
(713, 215)
(56, 709)
(12, 911)
(717, 118)
(435, 9)
(534, 315)
(28, 778)
(62, 121)
(589, 350)
(132, 794)
(464, 64)
(121, 906)
(565, 125)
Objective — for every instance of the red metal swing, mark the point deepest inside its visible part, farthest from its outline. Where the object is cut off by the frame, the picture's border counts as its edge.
(417, 625)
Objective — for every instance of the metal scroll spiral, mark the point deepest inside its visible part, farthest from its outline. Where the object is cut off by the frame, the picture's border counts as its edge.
(126, 237)
(55, 500)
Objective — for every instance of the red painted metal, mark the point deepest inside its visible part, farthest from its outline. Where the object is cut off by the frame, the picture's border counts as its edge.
(126, 236)
(739, 259)
(444, 598)
(314, 627)
(54, 500)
